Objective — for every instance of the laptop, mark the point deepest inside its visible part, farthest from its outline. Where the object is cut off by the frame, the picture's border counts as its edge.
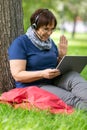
(72, 63)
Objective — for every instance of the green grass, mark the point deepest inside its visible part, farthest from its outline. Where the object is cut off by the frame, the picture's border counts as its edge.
(19, 119)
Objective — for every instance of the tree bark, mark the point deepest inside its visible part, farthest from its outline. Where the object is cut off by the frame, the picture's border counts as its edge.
(74, 26)
(11, 26)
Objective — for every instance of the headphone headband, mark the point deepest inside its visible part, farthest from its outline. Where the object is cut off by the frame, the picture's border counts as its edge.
(37, 18)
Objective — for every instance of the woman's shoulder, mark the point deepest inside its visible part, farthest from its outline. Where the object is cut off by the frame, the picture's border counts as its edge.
(18, 48)
(20, 40)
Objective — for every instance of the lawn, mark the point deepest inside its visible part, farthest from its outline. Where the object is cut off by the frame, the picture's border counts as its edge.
(19, 119)
(11, 119)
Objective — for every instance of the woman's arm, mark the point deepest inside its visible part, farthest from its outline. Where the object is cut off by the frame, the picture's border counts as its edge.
(19, 73)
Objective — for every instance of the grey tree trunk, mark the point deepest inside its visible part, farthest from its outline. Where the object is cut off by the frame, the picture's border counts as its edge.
(11, 26)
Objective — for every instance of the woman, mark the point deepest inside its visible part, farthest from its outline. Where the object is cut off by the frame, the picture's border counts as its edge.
(33, 59)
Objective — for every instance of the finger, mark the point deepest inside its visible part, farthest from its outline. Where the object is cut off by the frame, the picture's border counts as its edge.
(63, 39)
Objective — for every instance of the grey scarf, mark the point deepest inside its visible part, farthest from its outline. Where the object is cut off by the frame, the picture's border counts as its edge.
(42, 45)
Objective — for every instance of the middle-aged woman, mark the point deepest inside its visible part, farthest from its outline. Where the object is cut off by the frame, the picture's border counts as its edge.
(33, 59)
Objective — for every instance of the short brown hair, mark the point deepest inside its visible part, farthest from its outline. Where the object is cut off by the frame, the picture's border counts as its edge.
(43, 17)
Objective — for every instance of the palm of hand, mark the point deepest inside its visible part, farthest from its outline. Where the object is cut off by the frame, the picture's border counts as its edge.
(63, 44)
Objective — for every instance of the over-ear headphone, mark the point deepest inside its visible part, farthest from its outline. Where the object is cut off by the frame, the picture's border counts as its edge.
(34, 25)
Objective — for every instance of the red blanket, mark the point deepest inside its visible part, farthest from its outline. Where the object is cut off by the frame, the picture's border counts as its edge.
(33, 96)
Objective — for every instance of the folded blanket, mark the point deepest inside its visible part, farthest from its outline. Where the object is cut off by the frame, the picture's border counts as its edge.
(34, 96)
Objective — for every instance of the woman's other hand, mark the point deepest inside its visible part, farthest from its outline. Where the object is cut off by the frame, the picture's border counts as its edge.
(50, 73)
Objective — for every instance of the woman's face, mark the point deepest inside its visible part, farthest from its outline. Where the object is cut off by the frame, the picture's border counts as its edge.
(45, 31)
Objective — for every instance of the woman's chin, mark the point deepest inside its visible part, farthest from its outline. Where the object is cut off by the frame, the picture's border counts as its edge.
(44, 39)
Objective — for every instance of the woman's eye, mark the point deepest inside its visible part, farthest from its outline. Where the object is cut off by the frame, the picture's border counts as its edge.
(46, 29)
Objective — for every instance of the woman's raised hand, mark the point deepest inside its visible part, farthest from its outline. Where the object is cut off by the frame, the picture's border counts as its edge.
(63, 45)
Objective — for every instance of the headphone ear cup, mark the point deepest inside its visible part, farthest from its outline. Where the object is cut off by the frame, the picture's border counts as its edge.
(34, 25)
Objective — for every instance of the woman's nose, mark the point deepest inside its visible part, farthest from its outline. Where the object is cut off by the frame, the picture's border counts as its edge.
(49, 32)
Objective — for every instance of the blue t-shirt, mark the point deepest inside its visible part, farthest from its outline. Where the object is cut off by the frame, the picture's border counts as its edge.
(22, 48)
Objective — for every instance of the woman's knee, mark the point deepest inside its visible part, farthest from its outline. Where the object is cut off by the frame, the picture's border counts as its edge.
(68, 80)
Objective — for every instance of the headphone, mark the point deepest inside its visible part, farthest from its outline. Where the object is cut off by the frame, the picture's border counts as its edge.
(34, 25)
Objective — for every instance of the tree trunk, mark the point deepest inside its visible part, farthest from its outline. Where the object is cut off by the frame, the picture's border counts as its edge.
(74, 26)
(11, 26)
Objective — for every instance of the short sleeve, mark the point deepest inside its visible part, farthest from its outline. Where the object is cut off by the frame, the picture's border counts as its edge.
(17, 49)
